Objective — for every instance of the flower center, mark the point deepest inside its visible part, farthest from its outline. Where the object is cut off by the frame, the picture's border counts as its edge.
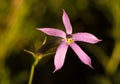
(69, 39)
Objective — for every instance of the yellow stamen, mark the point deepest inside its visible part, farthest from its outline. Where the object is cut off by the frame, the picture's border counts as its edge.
(69, 41)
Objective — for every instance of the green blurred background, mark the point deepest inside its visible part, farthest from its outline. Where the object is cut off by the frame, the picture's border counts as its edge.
(18, 20)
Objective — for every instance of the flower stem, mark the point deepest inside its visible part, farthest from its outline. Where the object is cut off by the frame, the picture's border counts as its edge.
(32, 70)
(31, 74)
(37, 58)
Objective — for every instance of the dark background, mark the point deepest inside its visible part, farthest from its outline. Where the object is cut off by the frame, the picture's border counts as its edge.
(18, 20)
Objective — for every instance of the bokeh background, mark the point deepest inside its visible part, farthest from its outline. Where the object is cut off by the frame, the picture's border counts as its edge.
(18, 20)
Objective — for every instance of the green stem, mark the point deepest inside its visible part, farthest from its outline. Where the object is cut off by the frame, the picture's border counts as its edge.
(48, 54)
(32, 69)
(31, 74)
(34, 64)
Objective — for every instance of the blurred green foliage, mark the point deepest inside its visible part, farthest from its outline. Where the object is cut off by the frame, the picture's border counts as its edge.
(18, 20)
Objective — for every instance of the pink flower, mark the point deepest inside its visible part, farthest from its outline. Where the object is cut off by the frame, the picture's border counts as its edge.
(68, 39)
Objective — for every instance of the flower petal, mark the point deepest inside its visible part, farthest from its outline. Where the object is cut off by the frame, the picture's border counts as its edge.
(67, 23)
(60, 55)
(53, 32)
(81, 54)
(85, 37)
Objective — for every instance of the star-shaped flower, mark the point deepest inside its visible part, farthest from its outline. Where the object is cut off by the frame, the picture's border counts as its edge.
(68, 39)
